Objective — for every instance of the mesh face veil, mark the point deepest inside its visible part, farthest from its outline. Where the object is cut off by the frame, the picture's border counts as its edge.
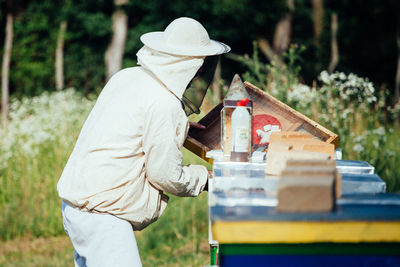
(194, 94)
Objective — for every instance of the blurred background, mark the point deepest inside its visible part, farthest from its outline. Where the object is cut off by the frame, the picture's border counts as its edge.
(337, 62)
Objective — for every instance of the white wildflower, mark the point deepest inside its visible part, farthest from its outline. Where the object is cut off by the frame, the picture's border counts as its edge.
(390, 153)
(359, 138)
(301, 94)
(379, 131)
(358, 148)
(324, 77)
(346, 113)
(42, 119)
(375, 143)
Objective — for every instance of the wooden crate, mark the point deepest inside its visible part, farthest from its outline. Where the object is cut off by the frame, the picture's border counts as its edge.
(200, 141)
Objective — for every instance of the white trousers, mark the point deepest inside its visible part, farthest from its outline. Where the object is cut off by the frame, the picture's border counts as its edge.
(100, 239)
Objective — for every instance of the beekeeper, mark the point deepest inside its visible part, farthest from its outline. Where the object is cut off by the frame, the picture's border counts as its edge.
(128, 154)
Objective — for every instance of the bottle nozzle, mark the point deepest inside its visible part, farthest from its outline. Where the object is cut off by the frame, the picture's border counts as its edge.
(243, 102)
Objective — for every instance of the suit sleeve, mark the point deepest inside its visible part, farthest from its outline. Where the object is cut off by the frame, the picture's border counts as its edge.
(164, 132)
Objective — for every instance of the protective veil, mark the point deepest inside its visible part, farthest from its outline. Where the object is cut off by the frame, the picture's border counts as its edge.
(197, 89)
(129, 150)
(176, 71)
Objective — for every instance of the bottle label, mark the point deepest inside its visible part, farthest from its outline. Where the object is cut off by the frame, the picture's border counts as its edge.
(241, 141)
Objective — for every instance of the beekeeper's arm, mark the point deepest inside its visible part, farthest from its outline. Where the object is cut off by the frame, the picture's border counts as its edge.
(165, 131)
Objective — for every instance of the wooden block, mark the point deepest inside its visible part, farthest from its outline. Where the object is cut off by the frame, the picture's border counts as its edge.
(289, 135)
(279, 146)
(314, 162)
(318, 146)
(310, 145)
(312, 168)
(276, 160)
(305, 194)
(309, 167)
(309, 171)
(338, 185)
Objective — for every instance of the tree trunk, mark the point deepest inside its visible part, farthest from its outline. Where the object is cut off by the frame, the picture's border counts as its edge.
(283, 30)
(318, 15)
(334, 43)
(215, 86)
(60, 56)
(115, 51)
(267, 50)
(6, 68)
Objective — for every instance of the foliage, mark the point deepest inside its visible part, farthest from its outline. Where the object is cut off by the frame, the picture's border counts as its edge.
(32, 68)
(33, 150)
(235, 22)
(279, 78)
(181, 233)
(366, 38)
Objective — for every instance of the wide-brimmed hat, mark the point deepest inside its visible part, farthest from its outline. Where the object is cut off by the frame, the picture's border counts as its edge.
(186, 37)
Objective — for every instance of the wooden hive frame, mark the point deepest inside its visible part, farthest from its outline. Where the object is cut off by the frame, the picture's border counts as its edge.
(200, 141)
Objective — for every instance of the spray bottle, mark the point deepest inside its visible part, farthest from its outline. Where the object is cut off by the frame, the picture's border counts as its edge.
(241, 132)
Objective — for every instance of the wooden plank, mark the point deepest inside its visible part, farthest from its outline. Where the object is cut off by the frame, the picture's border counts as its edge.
(295, 126)
(197, 148)
(200, 141)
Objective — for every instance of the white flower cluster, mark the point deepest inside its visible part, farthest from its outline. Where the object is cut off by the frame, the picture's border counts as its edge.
(42, 119)
(377, 137)
(348, 87)
(302, 95)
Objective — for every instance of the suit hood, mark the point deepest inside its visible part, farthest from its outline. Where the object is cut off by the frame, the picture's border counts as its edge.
(174, 71)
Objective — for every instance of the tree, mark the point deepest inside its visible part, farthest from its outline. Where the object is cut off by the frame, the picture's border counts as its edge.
(60, 56)
(6, 63)
(283, 30)
(281, 39)
(317, 14)
(334, 43)
(116, 48)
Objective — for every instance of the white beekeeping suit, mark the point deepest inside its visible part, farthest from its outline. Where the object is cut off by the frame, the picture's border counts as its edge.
(129, 150)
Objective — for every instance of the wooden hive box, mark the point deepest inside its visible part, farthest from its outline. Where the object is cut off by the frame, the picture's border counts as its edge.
(200, 141)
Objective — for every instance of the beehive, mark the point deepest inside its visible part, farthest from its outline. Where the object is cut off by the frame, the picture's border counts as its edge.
(200, 141)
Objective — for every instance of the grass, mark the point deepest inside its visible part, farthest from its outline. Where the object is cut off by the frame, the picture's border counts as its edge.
(29, 203)
(58, 251)
(50, 251)
(31, 224)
